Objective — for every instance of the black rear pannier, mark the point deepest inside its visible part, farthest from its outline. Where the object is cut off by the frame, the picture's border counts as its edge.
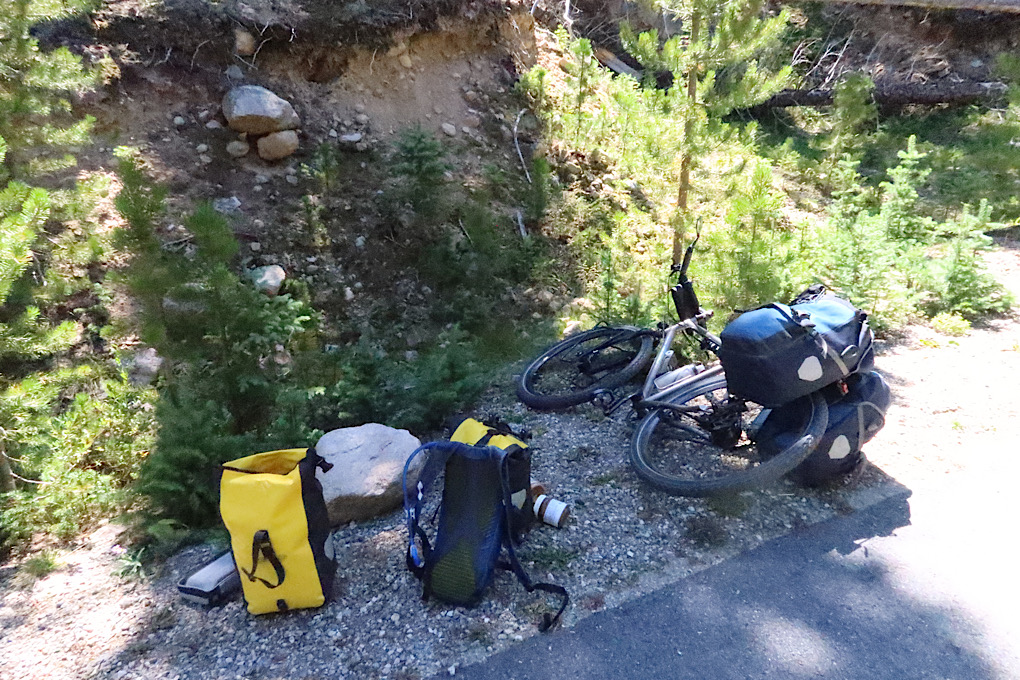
(854, 418)
(777, 353)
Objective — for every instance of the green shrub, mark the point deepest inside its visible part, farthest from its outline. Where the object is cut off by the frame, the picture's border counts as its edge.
(416, 390)
(324, 167)
(41, 564)
(82, 446)
(418, 160)
(949, 323)
(958, 281)
(36, 88)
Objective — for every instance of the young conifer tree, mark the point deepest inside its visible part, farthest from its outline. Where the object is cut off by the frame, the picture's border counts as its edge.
(37, 128)
(718, 65)
(36, 88)
(24, 335)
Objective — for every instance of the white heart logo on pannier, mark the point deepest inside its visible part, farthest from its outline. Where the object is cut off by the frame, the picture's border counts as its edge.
(810, 370)
(840, 447)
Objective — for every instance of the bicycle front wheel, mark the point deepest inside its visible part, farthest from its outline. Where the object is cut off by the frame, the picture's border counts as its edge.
(699, 449)
(573, 370)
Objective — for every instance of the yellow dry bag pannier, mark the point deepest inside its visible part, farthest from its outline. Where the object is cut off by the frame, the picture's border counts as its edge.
(272, 506)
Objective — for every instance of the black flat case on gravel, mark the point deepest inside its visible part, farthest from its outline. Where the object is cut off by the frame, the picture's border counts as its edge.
(214, 584)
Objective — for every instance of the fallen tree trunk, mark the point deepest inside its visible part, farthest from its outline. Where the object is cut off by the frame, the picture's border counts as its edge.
(897, 96)
(1010, 6)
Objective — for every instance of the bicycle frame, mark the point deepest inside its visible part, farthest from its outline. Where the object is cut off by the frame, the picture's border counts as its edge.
(651, 396)
(650, 391)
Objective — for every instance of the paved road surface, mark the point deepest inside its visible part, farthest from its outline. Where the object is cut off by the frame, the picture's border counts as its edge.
(923, 586)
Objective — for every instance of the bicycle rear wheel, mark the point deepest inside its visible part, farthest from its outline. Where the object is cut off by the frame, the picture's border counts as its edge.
(700, 451)
(573, 370)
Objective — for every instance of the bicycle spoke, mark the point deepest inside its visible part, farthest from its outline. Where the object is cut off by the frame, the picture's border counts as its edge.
(681, 446)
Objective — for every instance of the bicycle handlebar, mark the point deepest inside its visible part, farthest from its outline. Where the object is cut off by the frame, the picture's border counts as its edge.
(681, 269)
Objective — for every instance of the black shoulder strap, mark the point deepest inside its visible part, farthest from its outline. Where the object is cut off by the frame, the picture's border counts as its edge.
(435, 463)
(514, 564)
(261, 546)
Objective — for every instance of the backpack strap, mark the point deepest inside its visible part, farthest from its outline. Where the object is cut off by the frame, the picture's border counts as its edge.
(262, 547)
(412, 507)
(514, 564)
(435, 464)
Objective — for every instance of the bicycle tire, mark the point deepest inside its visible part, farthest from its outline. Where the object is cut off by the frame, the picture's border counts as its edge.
(552, 380)
(662, 457)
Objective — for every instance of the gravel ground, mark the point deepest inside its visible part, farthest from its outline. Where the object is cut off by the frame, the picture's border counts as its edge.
(624, 539)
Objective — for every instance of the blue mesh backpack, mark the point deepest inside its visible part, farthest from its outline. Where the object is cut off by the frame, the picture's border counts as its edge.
(478, 517)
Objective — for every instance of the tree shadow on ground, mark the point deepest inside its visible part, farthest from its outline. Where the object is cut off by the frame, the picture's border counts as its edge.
(814, 603)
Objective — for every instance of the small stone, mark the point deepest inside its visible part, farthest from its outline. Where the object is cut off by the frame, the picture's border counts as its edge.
(213, 125)
(234, 72)
(226, 205)
(255, 246)
(269, 279)
(395, 618)
(352, 138)
(360, 108)
(179, 121)
(471, 97)
(237, 148)
(359, 242)
(977, 63)
(348, 294)
(202, 148)
(205, 159)
(244, 42)
(333, 134)
(362, 119)
(472, 121)
(143, 367)
(292, 180)
(261, 179)
(278, 145)
(405, 61)
(450, 129)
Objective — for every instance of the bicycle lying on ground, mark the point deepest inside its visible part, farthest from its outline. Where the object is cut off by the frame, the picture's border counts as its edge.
(693, 437)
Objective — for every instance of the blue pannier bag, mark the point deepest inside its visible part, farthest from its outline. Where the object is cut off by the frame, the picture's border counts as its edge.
(855, 416)
(777, 353)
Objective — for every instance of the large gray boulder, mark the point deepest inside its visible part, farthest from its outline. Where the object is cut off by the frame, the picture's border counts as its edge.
(257, 111)
(368, 464)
